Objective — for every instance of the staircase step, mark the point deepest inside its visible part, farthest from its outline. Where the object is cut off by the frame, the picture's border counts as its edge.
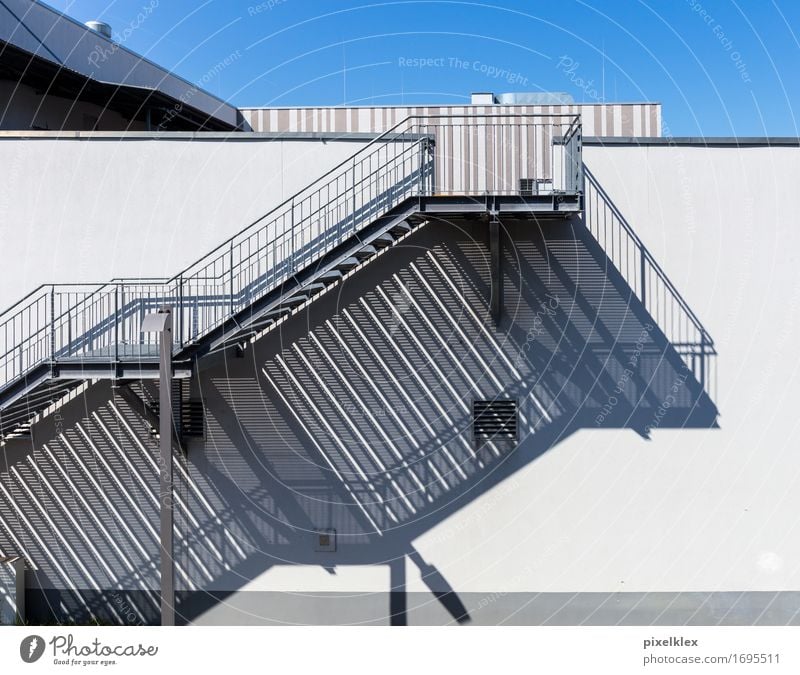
(298, 299)
(383, 240)
(278, 311)
(316, 287)
(347, 264)
(330, 277)
(400, 229)
(261, 324)
(366, 252)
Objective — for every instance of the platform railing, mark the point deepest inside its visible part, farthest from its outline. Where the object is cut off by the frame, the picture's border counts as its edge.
(422, 156)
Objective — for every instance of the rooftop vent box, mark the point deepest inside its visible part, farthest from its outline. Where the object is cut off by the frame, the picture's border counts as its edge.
(483, 98)
(100, 27)
(535, 98)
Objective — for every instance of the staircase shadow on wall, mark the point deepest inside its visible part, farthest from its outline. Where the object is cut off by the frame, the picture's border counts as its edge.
(585, 348)
(355, 414)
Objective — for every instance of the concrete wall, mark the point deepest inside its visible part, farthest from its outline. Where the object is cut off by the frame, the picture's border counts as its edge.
(354, 415)
(89, 207)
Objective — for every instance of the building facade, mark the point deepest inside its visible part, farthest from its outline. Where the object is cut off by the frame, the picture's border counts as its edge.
(489, 364)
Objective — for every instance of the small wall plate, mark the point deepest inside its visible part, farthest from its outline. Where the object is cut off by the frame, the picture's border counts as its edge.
(325, 541)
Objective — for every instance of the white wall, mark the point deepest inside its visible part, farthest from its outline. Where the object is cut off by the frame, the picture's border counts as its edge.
(100, 206)
(690, 510)
(601, 511)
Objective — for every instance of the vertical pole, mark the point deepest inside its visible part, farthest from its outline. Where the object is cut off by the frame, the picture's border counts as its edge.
(354, 195)
(231, 277)
(165, 492)
(180, 310)
(52, 324)
(432, 179)
(423, 154)
(116, 323)
(397, 592)
(293, 246)
(497, 278)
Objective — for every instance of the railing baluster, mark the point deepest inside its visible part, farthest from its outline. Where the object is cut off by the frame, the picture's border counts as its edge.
(181, 340)
(354, 195)
(52, 324)
(231, 278)
(116, 323)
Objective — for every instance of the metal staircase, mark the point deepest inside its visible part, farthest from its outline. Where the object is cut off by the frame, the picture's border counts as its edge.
(63, 335)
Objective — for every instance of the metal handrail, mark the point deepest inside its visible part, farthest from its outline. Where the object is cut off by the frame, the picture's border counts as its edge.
(576, 119)
(55, 321)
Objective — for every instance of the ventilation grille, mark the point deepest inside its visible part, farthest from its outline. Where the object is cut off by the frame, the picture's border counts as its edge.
(526, 187)
(192, 418)
(529, 187)
(496, 420)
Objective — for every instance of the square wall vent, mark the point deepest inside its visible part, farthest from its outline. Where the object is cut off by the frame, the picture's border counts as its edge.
(494, 420)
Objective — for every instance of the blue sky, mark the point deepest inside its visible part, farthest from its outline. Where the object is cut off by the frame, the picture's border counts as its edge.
(719, 67)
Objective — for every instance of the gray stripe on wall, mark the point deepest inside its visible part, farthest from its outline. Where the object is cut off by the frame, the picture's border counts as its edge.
(522, 609)
(729, 608)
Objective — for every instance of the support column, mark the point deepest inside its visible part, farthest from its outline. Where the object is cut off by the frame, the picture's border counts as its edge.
(165, 473)
(397, 593)
(161, 323)
(495, 258)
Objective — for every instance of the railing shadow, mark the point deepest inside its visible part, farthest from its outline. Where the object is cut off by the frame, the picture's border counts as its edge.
(649, 283)
(362, 421)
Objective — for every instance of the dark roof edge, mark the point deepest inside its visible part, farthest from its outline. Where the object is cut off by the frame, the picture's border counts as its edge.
(697, 141)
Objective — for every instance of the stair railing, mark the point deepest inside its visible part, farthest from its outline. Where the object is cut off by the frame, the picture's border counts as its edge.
(469, 155)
